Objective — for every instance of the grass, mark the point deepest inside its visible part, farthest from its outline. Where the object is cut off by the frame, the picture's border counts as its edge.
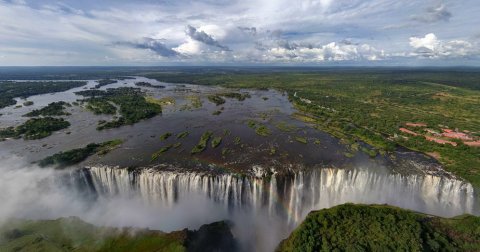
(285, 127)
(302, 140)
(216, 141)
(202, 144)
(262, 130)
(165, 101)
(237, 140)
(352, 227)
(165, 136)
(160, 152)
(182, 134)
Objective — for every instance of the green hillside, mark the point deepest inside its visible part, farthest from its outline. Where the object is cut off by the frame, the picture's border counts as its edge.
(352, 227)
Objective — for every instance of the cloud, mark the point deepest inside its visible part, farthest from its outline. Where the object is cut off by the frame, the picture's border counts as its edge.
(435, 14)
(249, 30)
(83, 32)
(431, 47)
(334, 51)
(203, 37)
(154, 45)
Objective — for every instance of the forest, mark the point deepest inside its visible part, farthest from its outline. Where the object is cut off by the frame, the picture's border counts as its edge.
(352, 227)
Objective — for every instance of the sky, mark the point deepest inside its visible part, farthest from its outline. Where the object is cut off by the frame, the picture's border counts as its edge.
(240, 32)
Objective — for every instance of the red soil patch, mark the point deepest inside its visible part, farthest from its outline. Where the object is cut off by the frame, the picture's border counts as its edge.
(440, 141)
(473, 144)
(416, 124)
(457, 135)
(408, 131)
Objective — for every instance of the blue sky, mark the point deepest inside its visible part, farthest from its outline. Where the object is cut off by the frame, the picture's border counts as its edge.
(240, 32)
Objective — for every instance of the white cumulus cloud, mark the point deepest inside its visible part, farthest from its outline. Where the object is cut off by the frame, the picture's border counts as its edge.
(430, 46)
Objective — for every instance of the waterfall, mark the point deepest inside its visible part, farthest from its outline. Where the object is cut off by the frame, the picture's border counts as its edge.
(290, 196)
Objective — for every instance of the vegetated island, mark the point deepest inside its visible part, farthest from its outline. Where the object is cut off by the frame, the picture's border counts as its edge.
(146, 84)
(35, 128)
(73, 234)
(75, 156)
(52, 109)
(13, 89)
(104, 82)
(133, 107)
(352, 227)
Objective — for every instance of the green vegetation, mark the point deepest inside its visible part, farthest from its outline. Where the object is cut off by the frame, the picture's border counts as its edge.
(372, 153)
(301, 139)
(104, 82)
(371, 105)
(237, 140)
(73, 234)
(146, 84)
(216, 99)
(225, 151)
(99, 106)
(285, 127)
(28, 103)
(216, 141)
(317, 141)
(11, 89)
(52, 109)
(273, 151)
(165, 136)
(35, 128)
(165, 101)
(160, 152)
(182, 134)
(194, 102)
(382, 228)
(218, 112)
(133, 105)
(202, 144)
(238, 96)
(262, 130)
(75, 156)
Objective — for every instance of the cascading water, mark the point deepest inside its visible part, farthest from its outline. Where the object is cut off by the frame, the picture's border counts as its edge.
(290, 197)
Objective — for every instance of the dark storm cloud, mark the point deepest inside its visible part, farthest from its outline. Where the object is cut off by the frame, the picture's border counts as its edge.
(155, 45)
(203, 37)
(435, 14)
